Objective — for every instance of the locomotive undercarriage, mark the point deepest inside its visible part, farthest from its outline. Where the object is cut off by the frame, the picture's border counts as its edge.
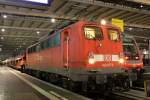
(135, 77)
(95, 82)
(111, 82)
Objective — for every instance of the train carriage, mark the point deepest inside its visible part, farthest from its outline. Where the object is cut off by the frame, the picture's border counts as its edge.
(16, 62)
(81, 52)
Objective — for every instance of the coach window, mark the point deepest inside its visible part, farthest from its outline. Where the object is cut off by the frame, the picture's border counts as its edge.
(113, 35)
(92, 32)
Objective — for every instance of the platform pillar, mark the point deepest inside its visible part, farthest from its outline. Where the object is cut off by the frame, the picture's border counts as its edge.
(147, 88)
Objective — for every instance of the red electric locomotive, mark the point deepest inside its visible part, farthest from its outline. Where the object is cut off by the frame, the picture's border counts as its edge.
(133, 59)
(84, 52)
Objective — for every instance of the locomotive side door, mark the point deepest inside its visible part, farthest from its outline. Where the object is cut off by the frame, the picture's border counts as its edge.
(66, 49)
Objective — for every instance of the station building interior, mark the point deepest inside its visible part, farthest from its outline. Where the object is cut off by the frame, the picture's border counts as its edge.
(26, 23)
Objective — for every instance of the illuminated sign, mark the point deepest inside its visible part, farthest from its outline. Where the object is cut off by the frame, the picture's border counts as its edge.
(40, 4)
(38, 1)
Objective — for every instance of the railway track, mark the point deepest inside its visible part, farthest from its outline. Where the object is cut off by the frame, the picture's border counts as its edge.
(130, 95)
(138, 88)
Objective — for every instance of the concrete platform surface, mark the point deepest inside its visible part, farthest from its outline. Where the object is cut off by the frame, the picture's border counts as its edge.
(12, 88)
(15, 85)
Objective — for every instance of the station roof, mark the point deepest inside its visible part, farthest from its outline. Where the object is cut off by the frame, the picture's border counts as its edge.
(22, 26)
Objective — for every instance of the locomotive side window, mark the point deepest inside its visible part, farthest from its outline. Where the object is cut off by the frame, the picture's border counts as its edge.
(51, 42)
(57, 39)
(42, 45)
(54, 41)
(38, 48)
(48, 43)
(92, 32)
(113, 35)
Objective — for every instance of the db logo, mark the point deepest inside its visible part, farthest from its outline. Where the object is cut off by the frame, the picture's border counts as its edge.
(107, 58)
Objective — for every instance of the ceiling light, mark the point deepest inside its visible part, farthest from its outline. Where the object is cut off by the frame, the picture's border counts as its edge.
(2, 38)
(0, 49)
(130, 28)
(103, 22)
(3, 30)
(141, 6)
(5, 16)
(53, 20)
(145, 52)
(38, 32)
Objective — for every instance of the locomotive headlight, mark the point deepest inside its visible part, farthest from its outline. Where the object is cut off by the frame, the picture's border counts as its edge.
(136, 57)
(121, 60)
(127, 58)
(91, 61)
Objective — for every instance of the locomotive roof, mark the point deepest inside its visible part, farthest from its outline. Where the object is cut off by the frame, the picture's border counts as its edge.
(79, 22)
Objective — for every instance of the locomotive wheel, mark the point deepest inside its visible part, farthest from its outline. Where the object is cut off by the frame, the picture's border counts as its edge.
(84, 87)
(126, 85)
(53, 78)
(64, 83)
(71, 85)
(22, 68)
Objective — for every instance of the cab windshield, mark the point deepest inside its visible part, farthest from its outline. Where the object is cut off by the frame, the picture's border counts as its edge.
(113, 34)
(92, 32)
(129, 46)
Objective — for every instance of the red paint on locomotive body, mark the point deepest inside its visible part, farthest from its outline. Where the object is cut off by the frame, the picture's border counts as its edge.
(80, 49)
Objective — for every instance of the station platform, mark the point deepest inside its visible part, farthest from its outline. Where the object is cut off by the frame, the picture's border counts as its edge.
(15, 85)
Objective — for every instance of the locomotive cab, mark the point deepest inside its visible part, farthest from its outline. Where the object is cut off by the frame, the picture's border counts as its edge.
(103, 49)
(133, 59)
